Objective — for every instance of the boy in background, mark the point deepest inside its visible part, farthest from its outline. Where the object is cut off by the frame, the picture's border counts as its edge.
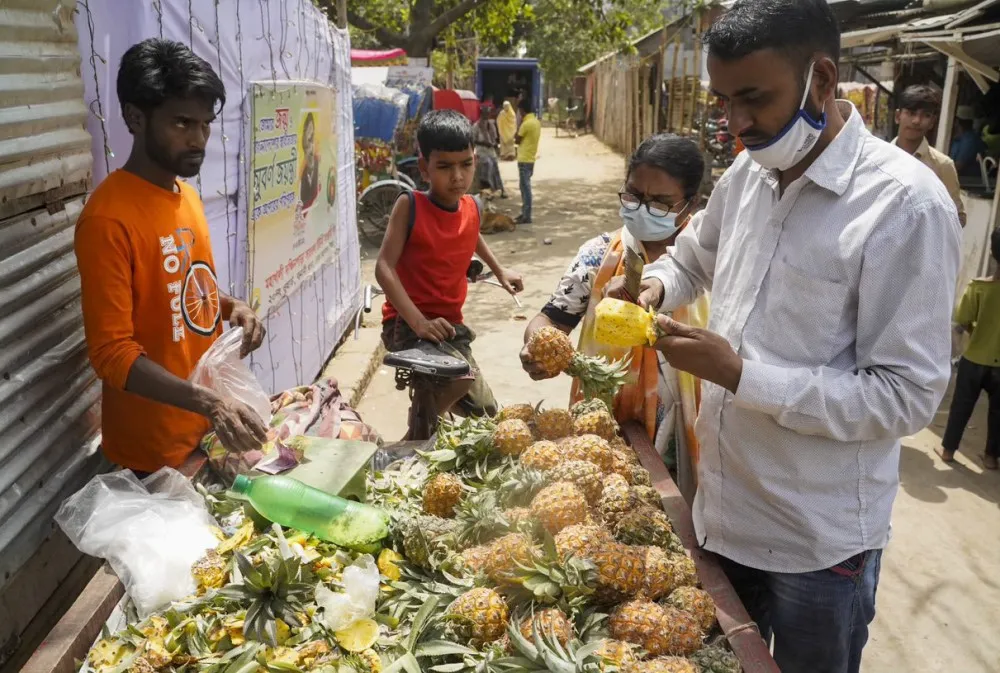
(917, 114)
(979, 369)
(425, 255)
(527, 151)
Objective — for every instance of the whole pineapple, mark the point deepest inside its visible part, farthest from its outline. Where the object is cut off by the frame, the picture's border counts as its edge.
(480, 615)
(658, 630)
(620, 570)
(579, 539)
(427, 540)
(716, 659)
(617, 653)
(662, 665)
(554, 424)
(519, 519)
(441, 493)
(696, 602)
(661, 578)
(559, 505)
(519, 412)
(584, 474)
(644, 525)
(474, 560)
(617, 499)
(550, 622)
(589, 447)
(600, 423)
(586, 406)
(684, 570)
(639, 476)
(543, 455)
(649, 496)
(554, 353)
(512, 437)
(506, 555)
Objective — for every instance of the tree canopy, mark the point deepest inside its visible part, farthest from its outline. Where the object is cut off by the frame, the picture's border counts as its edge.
(562, 34)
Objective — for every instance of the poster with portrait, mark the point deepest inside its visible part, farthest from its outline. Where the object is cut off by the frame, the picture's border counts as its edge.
(293, 188)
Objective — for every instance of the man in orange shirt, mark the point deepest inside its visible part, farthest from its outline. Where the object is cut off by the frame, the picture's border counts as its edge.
(151, 302)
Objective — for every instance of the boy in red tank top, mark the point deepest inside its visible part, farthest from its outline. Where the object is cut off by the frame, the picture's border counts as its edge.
(426, 253)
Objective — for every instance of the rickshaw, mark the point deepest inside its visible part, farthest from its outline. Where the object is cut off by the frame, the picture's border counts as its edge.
(382, 126)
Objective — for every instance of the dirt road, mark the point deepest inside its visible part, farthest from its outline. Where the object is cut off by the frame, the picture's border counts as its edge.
(939, 596)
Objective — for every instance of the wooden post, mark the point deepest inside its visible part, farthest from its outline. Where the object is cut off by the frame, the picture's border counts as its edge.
(684, 91)
(949, 97)
(636, 114)
(696, 66)
(673, 77)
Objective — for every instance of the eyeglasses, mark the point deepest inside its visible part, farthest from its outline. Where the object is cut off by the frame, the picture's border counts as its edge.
(656, 208)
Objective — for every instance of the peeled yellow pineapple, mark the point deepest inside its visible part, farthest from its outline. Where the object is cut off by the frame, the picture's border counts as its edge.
(623, 324)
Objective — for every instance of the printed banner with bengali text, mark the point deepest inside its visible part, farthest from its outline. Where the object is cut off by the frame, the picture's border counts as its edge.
(293, 184)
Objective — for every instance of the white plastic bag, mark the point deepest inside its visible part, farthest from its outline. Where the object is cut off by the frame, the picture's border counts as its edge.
(360, 581)
(222, 370)
(150, 532)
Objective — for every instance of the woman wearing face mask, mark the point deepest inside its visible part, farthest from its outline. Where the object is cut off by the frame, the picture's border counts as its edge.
(656, 202)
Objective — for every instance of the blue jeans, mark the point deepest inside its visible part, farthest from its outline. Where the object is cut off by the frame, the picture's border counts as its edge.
(524, 172)
(819, 620)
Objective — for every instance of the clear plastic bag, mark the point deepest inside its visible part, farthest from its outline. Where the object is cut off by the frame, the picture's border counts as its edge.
(357, 601)
(222, 370)
(151, 532)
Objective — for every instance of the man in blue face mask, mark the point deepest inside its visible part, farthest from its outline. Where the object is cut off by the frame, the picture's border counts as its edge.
(832, 259)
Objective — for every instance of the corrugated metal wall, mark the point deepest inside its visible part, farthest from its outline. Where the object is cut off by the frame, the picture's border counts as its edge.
(49, 396)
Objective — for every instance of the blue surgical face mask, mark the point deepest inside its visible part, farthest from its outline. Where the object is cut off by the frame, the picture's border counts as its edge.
(793, 142)
(645, 226)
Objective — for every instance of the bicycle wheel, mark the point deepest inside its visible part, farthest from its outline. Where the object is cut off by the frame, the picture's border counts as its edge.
(374, 212)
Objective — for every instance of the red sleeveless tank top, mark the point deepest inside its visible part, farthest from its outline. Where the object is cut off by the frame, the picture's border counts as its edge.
(436, 258)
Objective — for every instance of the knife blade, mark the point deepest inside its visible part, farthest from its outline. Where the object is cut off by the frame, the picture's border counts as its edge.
(633, 272)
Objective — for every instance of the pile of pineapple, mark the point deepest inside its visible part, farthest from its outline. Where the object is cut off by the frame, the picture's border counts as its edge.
(535, 542)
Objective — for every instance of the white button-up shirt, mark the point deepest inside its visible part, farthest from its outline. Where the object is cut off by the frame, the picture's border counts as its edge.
(838, 296)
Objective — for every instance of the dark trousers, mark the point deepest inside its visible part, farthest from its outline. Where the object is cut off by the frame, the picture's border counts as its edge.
(524, 172)
(971, 380)
(819, 620)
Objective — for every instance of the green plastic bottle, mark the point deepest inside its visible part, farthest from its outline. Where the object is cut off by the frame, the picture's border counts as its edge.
(291, 503)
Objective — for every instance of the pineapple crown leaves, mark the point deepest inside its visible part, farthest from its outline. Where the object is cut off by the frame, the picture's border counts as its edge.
(568, 582)
(520, 484)
(480, 518)
(544, 652)
(600, 378)
(460, 444)
(276, 589)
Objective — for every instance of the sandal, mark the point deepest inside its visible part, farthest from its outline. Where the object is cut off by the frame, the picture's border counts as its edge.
(946, 456)
(989, 462)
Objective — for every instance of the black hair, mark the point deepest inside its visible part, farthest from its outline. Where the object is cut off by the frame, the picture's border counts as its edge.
(155, 70)
(995, 244)
(920, 97)
(444, 131)
(678, 157)
(525, 105)
(797, 28)
(310, 119)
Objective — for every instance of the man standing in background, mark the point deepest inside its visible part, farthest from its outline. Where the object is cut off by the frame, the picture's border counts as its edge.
(527, 151)
(917, 114)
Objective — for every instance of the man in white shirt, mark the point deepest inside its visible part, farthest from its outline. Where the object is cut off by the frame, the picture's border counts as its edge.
(832, 259)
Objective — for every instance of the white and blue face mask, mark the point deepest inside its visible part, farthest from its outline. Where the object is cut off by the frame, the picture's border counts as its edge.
(645, 226)
(794, 141)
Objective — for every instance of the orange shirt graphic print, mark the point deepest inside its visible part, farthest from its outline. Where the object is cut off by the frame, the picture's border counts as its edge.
(194, 293)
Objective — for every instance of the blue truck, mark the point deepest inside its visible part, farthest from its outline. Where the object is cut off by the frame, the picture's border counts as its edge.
(500, 79)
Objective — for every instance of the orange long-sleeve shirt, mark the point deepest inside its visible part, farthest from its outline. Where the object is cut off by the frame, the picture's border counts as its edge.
(149, 288)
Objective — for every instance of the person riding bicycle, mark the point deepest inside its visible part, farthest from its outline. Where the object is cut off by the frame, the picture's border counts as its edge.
(427, 249)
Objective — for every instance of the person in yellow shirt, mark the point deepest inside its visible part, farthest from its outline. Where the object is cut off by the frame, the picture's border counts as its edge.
(527, 151)
(979, 369)
(917, 114)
